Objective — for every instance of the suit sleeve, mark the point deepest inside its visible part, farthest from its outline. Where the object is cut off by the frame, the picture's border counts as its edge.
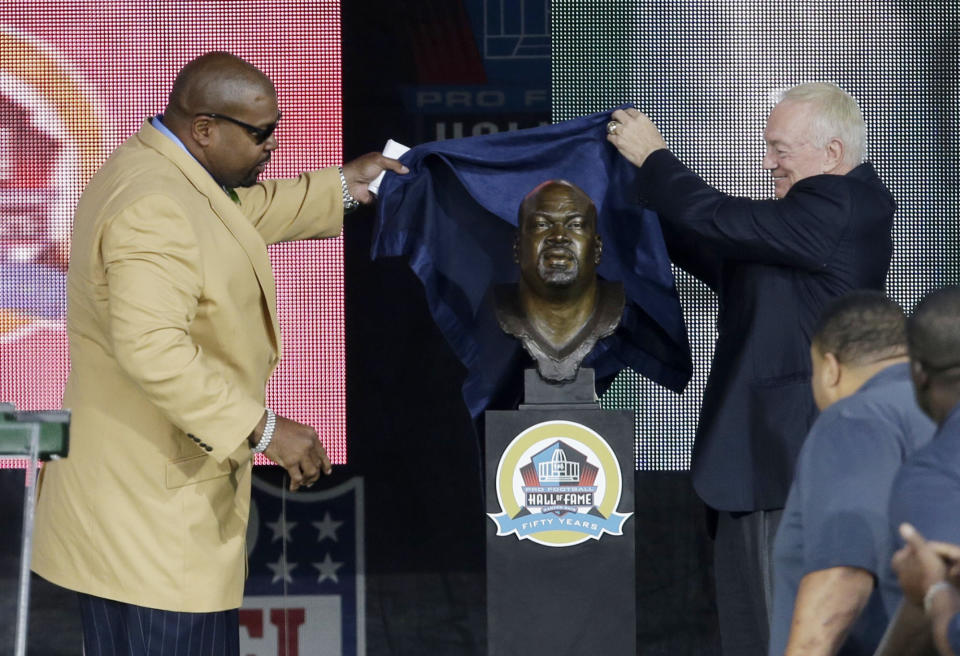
(154, 280)
(307, 207)
(801, 230)
(694, 257)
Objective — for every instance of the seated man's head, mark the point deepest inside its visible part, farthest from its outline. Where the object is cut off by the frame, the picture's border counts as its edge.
(933, 333)
(557, 244)
(857, 335)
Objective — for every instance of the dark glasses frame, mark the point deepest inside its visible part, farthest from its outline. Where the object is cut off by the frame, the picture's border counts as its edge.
(259, 134)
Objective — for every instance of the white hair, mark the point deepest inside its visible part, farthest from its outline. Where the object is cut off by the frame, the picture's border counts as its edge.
(836, 115)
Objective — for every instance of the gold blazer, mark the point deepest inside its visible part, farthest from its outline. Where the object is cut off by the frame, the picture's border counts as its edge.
(173, 334)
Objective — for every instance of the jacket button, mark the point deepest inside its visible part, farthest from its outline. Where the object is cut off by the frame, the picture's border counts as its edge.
(208, 448)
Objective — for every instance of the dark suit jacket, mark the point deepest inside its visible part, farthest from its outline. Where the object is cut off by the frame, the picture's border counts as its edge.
(773, 265)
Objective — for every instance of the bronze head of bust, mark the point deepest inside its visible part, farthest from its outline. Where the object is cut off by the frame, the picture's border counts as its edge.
(558, 308)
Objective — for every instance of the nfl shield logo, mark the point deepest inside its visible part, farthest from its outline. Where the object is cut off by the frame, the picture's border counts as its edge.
(304, 593)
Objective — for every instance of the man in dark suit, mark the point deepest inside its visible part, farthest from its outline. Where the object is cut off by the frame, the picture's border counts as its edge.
(773, 264)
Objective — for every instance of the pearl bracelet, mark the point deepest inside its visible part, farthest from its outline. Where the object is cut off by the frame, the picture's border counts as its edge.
(267, 433)
(349, 202)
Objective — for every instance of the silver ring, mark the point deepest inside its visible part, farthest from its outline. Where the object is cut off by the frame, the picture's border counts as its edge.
(612, 126)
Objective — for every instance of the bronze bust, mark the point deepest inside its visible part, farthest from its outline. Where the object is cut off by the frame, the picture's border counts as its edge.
(558, 309)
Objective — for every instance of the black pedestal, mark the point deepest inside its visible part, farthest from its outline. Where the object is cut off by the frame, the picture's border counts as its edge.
(560, 546)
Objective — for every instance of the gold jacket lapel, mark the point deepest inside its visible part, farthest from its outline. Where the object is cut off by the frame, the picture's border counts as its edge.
(229, 212)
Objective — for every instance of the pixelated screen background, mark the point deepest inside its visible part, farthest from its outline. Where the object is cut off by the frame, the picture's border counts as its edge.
(706, 70)
(77, 77)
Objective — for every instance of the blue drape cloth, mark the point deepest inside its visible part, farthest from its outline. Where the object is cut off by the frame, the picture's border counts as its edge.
(455, 216)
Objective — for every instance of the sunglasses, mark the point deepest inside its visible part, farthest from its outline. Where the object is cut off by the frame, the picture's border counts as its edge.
(259, 134)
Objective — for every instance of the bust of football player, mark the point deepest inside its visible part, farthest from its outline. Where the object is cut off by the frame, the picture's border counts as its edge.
(559, 309)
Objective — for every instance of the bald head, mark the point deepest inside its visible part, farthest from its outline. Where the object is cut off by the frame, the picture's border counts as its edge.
(568, 189)
(224, 111)
(216, 82)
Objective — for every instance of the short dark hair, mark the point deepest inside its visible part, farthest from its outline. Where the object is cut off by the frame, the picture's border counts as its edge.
(933, 332)
(861, 327)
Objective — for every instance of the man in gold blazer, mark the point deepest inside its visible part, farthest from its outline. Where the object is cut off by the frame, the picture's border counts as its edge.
(173, 335)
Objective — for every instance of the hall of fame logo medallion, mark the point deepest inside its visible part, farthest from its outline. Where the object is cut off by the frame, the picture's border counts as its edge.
(558, 484)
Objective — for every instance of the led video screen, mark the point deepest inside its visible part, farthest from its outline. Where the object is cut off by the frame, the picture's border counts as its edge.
(707, 71)
(77, 77)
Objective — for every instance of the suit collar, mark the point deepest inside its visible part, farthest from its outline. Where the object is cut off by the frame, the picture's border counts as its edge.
(178, 155)
(226, 210)
(864, 171)
(866, 174)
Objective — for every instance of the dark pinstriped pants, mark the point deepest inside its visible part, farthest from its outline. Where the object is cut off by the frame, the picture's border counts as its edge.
(743, 573)
(113, 628)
